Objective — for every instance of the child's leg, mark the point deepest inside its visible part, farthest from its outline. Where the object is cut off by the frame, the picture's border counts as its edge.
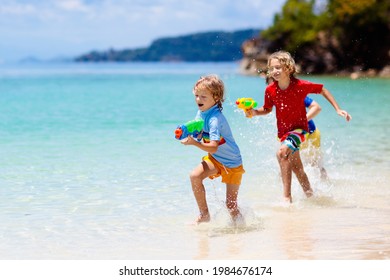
(231, 200)
(201, 172)
(297, 168)
(283, 155)
(320, 165)
(316, 153)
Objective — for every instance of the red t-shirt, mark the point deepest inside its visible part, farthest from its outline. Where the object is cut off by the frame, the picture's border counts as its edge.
(289, 104)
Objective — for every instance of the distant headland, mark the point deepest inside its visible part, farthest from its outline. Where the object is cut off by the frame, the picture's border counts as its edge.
(216, 46)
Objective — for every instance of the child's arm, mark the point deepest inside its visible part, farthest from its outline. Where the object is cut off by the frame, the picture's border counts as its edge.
(332, 101)
(314, 110)
(210, 147)
(257, 112)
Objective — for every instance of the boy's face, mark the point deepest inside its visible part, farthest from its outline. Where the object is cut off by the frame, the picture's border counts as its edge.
(276, 70)
(204, 100)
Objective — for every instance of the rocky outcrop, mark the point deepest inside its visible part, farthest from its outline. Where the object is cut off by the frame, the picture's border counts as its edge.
(324, 57)
(255, 55)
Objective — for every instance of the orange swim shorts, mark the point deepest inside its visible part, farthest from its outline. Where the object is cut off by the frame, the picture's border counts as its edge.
(229, 175)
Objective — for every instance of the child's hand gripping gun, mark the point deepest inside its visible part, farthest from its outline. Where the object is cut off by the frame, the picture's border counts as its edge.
(246, 103)
(193, 128)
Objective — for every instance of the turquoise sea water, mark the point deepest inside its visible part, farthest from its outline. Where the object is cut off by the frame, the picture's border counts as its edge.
(90, 168)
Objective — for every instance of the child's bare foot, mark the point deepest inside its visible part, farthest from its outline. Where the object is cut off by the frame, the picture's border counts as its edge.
(309, 193)
(324, 175)
(288, 199)
(238, 220)
(203, 218)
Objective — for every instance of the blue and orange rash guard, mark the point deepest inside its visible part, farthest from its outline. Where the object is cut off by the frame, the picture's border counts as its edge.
(216, 128)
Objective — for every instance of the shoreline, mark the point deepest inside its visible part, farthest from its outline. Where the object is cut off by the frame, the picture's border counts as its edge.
(245, 66)
(250, 66)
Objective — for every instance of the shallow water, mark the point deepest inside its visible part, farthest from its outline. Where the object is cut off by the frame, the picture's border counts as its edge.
(90, 169)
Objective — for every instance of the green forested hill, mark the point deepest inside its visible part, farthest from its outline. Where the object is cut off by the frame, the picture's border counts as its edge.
(207, 46)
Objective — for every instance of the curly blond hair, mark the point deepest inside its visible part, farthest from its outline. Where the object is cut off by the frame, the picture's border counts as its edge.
(214, 85)
(285, 60)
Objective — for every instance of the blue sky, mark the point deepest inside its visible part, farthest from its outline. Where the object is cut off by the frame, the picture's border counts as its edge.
(48, 29)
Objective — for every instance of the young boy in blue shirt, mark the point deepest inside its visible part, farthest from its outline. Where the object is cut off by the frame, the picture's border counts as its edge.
(224, 157)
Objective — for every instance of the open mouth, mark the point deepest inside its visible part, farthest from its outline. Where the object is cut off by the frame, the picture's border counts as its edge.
(200, 105)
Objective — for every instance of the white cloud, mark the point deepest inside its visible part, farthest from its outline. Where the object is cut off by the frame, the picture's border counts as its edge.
(72, 5)
(17, 9)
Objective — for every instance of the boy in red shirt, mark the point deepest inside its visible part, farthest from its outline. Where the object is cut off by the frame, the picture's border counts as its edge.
(287, 94)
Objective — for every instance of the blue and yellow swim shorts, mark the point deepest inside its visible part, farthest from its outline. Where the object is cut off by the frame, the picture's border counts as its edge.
(312, 140)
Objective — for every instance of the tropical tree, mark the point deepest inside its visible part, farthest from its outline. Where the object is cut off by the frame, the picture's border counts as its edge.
(358, 31)
(295, 27)
(363, 30)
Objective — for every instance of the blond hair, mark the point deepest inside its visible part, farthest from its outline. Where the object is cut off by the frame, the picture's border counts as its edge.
(214, 85)
(285, 60)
